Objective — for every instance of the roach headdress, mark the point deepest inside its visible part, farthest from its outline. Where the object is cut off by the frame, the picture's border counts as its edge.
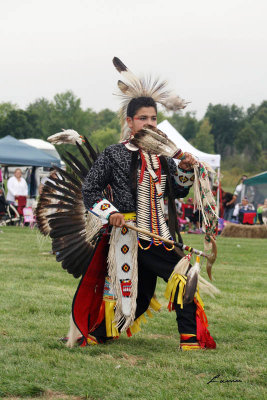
(143, 87)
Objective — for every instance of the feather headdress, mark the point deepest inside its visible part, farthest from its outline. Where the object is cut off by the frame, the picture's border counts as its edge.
(139, 87)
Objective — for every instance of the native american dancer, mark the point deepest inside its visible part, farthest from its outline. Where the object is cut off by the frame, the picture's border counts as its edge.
(94, 234)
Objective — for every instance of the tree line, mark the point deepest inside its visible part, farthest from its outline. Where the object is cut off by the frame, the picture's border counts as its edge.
(239, 135)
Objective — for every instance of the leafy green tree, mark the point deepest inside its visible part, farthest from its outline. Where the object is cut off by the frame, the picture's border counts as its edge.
(226, 122)
(67, 113)
(5, 109)
(257, 118)
(161, 117)
(41, 110)
(102, 138)
(105, 119)
(186, 124)
(19, 124)
(204, 140)
(251, 141)
(246, 141)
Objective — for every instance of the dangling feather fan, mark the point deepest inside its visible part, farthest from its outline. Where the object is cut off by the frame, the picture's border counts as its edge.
(136, 87)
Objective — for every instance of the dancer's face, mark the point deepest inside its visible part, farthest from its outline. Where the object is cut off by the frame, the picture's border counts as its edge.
(144, 116)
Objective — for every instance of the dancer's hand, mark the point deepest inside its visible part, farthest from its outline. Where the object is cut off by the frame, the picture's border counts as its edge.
(117, 219)
(187, 162)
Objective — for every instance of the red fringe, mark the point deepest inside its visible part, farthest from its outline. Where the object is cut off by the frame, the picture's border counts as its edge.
(101, 315)
(158, 171)
(84, 343)
(143, 167)
(203, 336)
(129, 333)
(171, 306)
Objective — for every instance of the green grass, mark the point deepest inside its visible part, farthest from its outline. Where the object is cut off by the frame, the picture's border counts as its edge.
(36, 296)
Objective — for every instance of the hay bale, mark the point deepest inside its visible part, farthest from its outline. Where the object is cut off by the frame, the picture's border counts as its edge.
(245, 231)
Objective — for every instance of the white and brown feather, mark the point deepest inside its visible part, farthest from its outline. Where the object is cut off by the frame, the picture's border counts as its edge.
(152, 140)
(61, 214)
(67, 136)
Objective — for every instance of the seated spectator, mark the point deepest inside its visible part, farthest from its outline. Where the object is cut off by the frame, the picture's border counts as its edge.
(52, 174)
(16, 187)
(242, 207)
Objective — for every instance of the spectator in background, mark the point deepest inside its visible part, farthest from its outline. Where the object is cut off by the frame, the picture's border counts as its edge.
(16, 186)
(228, 201)
(178, 205)
(239, 192)
(191, 216)
(52, 174)
(243, 206)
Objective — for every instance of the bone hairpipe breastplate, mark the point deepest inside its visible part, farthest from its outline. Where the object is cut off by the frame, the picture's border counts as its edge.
(150, 215)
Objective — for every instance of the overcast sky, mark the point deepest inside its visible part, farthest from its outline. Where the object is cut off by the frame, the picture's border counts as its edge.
(210, 51)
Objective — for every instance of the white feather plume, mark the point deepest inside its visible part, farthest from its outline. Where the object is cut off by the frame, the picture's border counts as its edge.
(67, 136)
(174, 103)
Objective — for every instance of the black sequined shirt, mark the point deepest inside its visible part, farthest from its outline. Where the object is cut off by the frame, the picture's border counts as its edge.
(112, 168)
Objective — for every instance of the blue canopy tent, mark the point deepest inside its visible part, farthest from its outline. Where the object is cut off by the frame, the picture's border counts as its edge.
(14, 152)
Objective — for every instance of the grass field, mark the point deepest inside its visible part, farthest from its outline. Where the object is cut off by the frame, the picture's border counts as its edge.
(35, 299)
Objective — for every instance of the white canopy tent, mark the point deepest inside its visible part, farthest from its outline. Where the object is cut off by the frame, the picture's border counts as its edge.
(213, 160)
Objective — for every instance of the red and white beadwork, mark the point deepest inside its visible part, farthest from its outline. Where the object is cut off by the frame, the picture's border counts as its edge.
(103, 209)
(122, 268)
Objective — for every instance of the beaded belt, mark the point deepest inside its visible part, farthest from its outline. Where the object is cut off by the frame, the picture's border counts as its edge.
(131, 216)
